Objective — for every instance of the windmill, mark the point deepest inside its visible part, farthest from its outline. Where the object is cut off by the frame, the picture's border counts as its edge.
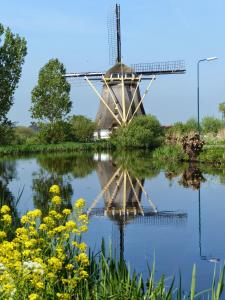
(121, 99)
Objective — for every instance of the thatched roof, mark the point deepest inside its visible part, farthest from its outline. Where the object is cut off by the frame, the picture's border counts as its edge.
(119, 68)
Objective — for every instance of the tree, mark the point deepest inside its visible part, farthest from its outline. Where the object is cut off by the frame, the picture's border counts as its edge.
(211, 125)
(222, 109)
(142, 132)
(50, 97)
(82, 128)
(12, 53)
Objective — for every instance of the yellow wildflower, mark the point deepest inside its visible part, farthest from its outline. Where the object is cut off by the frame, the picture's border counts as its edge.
(39, 285)
(79, 203)
(83, 218)
(83, 274)
(2, 234)
(69, 267)
(24, 220)
(56, 200)
(82, 246)
(83, 259)
(33, 296)
(83, 228)
(66, 211)
(54, 189)
(43, 227)
(49, 221)
(7, 219)
(55, 263)
(63, 296)
(70, 225)
(5, 209)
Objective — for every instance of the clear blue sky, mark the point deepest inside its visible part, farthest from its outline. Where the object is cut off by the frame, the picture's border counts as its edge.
(76, 33)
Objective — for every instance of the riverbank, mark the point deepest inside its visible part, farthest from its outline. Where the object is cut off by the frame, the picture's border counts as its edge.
(50, 148)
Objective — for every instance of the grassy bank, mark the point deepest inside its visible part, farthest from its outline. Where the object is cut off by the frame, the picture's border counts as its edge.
(48, 148)
(213, 155)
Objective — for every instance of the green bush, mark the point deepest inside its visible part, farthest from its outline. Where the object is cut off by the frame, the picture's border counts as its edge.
(7, 135)
(183, 128)
(211, 124)
(142, 132)
(55, 133)
(24, 134)
(82, 128)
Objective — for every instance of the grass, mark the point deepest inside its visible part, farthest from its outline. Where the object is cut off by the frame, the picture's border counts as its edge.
(44, 148)
(111, 279)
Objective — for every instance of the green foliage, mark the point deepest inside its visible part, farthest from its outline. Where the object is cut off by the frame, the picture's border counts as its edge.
(211, 124)
(82, 128)
(142, 132)
(50, 97)
(222, 108)
(54, 133)
(6, 133)
(24, 135)
(12, 53)
(183, 128)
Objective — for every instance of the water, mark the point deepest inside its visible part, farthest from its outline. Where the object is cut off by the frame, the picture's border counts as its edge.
(173, 214)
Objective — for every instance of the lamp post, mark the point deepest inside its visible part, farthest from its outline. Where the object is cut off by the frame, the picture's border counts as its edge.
(201, 60)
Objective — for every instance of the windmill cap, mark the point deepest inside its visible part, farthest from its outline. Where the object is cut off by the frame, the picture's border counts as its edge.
(119, 68)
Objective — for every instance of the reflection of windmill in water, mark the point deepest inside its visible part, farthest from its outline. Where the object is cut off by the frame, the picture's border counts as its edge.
(121, 99)
(122, 194)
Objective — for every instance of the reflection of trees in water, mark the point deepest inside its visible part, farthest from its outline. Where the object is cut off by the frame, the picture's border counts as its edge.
(192, 177)
(7, 174)
(79, 165)
(41, 184)
(138, 163)
(58, 169)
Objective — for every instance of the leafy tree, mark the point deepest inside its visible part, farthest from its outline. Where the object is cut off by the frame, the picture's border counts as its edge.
(222, 109)
(12, 52)
(211, 124)
(50, 97)
(57, 132)
(83, 128)
(142, 132)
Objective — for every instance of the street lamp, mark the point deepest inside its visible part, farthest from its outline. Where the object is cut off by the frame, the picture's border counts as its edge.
(201, 60)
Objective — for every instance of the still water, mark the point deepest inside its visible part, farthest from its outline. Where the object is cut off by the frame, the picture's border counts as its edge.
(171, 213)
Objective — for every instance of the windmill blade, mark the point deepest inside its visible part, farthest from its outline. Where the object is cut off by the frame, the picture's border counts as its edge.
(114, 35)
(111, 25)
(159, 68)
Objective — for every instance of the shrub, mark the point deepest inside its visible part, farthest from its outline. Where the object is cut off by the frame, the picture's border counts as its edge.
(142, 132)
(23, 134)
(82, 128)
(211, 124)
(55, 133)
(7, 135)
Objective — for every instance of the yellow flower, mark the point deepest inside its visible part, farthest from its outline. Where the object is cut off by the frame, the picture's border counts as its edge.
(83, 259)
(82, 246)
(63, 296)
(83, 274)
(24, 220)
(2, 234)
(83, 218)
(33, 297)
(66, 211)
(36, 213)
(5, 209)
(69, 267)
(7, 219)
(83, 228)
(39, 285)
(49, 221)
(79, 203)
(43, 227)
(54, 189)
(55, 263)
(70, 225)
(56, 200)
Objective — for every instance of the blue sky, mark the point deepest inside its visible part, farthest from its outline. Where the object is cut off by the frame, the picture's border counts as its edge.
(76, 33)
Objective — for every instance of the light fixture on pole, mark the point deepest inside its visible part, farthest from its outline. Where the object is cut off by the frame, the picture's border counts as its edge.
(201, 60)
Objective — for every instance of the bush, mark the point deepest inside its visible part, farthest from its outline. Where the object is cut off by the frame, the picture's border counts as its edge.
(24, 134)
(82, 128)
(7, 135)
(183, 128)
(211, 124)
(142, 132)
(55, 133)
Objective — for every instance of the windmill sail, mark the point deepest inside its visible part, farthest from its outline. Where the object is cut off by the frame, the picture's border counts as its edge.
(114, 35)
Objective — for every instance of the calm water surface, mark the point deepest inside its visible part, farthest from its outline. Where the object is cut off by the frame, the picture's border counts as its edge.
(175, 213)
